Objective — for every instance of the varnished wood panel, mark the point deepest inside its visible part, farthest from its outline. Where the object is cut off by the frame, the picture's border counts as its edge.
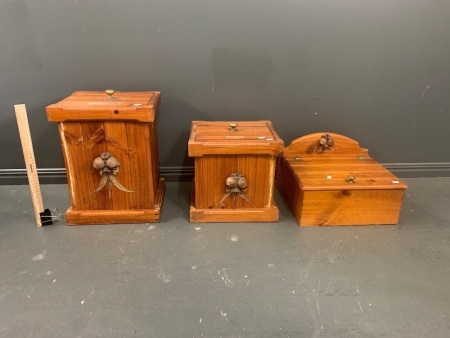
(154, 151)
(80, 217)
(289, 185)
(139, 145)
(308, 144)
(75, 159)
(351, 207)
(93, 133)
(212, 171)
(117, 145)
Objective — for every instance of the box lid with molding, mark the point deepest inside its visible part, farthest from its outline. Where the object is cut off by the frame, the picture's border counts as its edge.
(341, 165)
(107, 105)
(233, 138)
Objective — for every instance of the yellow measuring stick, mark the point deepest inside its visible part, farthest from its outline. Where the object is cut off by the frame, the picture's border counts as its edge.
(30, 162)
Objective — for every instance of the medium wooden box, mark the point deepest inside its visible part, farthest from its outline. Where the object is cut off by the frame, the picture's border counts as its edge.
(234, 171)
(122, 124)
(328, 179)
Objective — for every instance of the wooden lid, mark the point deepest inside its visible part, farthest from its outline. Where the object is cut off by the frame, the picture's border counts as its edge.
(107, 105)
(342, 166)
(343, 173)
(233, 138)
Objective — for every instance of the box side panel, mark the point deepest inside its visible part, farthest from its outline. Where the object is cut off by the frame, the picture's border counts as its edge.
(154, 152)
(211, 173)
(140, 161)
(289, 188)
(351, 207)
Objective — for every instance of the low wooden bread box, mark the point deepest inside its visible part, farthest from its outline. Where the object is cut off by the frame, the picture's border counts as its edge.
(110, 149)
(234, 171)
(328, 179)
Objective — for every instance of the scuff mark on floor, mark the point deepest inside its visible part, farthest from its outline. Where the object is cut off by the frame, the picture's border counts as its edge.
(425, 90)
(40, 256)
(223, 274)
(165, 278)
(318, 307)
(233, 238)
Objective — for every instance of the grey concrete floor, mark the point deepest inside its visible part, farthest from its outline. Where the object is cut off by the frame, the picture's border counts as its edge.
(176, 279)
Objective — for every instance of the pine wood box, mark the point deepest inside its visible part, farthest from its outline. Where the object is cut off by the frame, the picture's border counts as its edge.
(225, 152)
(122, 124)
(328, 179)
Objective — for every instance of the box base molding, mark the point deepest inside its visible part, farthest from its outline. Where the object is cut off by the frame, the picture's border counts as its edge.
(217, 215)
(85, 217)
(233, 215)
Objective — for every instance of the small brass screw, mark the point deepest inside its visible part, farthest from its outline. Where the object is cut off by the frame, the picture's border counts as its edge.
(110, 93)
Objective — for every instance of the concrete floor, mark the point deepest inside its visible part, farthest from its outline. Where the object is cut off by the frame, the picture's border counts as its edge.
(176, 279)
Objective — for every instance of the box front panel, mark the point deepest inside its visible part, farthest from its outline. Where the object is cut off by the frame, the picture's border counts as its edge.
(93, 136)
(117, 145)
(351, 207)
(129, 142)
(211, 173)
(79, 173)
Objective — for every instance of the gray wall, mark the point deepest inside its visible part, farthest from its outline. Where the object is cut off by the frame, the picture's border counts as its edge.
(375, 70)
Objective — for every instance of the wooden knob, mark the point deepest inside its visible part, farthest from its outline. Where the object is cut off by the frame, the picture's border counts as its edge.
(110, 93)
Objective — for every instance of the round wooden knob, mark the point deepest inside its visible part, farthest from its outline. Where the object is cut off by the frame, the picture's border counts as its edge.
(233, 126)
(110, 93)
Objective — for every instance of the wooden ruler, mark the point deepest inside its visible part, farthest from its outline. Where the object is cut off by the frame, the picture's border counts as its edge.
(30, 162)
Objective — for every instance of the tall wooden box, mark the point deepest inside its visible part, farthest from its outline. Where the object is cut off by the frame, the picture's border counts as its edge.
(328, 179)
(234, 171)
(121, 125)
